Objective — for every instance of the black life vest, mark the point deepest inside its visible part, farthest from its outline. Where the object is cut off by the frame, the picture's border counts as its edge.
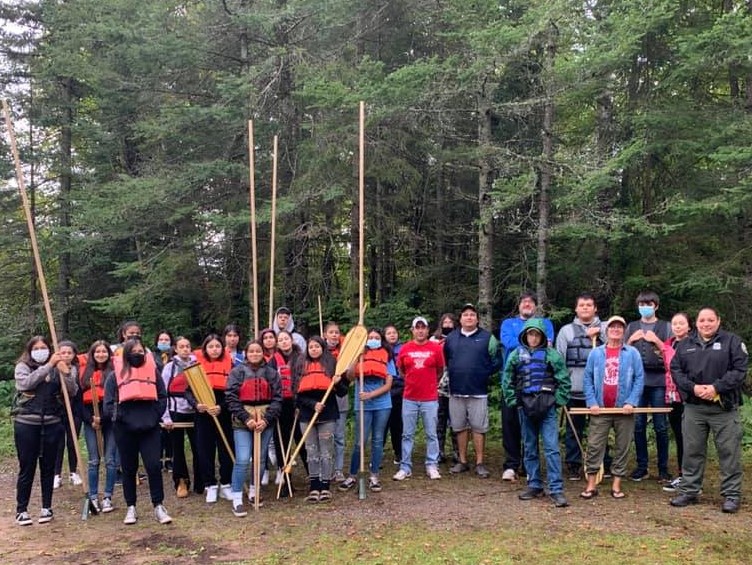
(579, 347)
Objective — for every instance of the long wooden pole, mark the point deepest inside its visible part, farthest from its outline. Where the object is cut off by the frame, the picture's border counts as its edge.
(605, 411)
(45, 295)
(273, 232)
(254, 250)
(361, 245)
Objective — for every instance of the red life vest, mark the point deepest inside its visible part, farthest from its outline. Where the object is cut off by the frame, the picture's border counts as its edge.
(315, 378)
(139, 383)
(216, 370)
(255, 390)
(374, 363)
(285, 375)
(178, 383)
(97, 381)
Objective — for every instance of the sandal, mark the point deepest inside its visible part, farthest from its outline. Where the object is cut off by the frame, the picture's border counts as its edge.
(617, 494)
(588, 494)
(313, 496)
(325, 496)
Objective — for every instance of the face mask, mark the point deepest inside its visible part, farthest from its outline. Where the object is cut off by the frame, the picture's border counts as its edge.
(163, 347)
(646, 311)
(446, 331)
(135, 359)
(373, 343)
(40, 355)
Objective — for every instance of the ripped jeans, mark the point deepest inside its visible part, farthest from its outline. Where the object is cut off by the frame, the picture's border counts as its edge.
(320, 447)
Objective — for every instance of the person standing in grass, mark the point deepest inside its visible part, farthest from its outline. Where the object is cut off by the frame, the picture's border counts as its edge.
(38, 415)
(376, 403)
(709, 369)
(135, 399)
(613, 378)
(536, 380)
(312, 376)
(97, 368)
(254, 399)
(421, 363)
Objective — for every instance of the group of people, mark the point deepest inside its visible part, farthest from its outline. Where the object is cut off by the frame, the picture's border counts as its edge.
(135, 401)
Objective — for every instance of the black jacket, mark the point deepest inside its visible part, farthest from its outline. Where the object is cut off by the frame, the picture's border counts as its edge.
(238, 376)
(135, 415)
(721, 362)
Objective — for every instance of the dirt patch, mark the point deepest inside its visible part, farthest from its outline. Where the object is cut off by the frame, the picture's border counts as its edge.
(202, 533)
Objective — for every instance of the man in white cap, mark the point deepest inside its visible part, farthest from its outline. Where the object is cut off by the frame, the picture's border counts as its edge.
(421, 363)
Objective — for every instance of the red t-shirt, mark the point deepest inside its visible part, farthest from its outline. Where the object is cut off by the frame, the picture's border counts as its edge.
(421, 365)
(611, 378)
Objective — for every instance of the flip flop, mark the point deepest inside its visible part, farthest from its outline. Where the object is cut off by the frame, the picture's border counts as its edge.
(617, 494)
(588, 494)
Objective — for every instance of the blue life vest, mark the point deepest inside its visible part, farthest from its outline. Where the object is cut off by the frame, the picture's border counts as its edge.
(533, 372)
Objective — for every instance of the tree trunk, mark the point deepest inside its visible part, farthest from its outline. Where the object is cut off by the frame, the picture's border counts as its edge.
(545, 168)
(485, 225)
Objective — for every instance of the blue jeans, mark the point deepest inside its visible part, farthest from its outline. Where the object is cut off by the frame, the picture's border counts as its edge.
(548, 429)
(429, 413)
(374, 423)
(243, 450)
(110, 450)
(340, 430)
(652, 396)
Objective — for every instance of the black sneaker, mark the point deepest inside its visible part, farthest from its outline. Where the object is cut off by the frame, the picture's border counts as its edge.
(575, 473)
(684, 500)
(23, 519)
(730, 505)
(639, 474)
(45, 515)
(530, 493)
(559, 500)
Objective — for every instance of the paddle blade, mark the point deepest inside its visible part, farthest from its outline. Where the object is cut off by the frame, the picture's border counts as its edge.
(352, 347)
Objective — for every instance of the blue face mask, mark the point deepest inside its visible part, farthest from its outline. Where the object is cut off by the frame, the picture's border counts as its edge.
(163, 347)
(646, 311)
(373, 343)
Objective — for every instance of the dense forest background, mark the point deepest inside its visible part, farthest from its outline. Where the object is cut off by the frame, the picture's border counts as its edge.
(554, 145)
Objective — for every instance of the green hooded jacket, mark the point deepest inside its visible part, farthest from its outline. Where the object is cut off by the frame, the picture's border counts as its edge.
(553, 359)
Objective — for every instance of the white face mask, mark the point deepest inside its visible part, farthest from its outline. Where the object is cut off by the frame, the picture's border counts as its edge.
(40, 355)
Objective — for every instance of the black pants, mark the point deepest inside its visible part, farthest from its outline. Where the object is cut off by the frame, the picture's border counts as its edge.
(675, 421)
(286, 418)
(210, 446)
(394, 427)
(35, 443)
(148, 443)
(177, 450)
(68, 442)
(443, 425)
(166, 447)
(511, 435)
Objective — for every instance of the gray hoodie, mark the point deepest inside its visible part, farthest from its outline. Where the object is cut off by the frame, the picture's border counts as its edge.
(566, 334)
(298, 339)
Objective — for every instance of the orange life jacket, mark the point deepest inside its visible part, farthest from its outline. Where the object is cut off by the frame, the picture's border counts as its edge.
(139, 383)
(97, 381)
(255, 390)
(216, 370)
(374, 363)
(315, 378)
(285, 375)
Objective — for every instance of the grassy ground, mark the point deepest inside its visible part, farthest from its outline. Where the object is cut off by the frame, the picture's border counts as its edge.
(460, 519)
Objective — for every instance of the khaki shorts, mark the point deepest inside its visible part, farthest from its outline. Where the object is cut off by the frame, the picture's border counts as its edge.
(468, 413)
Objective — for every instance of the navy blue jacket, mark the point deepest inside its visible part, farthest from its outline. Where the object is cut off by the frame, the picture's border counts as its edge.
(470, 361)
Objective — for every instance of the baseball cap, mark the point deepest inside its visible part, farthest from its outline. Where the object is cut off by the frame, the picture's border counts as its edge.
(419, 320)
(615, 319)
(469, 306)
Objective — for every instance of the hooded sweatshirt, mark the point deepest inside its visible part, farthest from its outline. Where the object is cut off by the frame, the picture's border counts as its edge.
(298, 339)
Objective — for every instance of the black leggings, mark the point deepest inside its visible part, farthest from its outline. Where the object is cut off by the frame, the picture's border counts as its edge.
(210, 446)
(179, 461)
(394, 427)
(36, 443)
(147, 443)
(68, 442)
(286, 418)
(675, 421)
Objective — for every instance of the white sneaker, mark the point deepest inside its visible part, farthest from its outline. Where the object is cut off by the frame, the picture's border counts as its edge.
(107, 505)
(280, 477)
(160, 513)
(57, 482)
(75, 479)
(509, 475)
(265, 478)
(433, 473)
(251, 493)
(45, 515)
(130, 516)
(211, 494)
(225, 491)
(401, 475)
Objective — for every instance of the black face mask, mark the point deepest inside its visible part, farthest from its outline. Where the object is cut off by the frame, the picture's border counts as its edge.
(446, 331)
(135, 359)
